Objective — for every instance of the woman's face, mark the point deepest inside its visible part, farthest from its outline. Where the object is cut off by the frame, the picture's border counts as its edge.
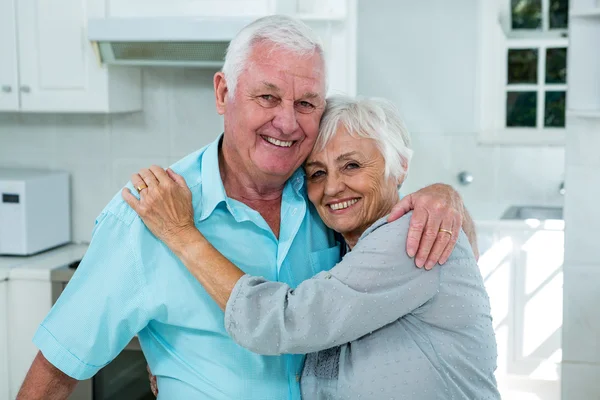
(347, 184)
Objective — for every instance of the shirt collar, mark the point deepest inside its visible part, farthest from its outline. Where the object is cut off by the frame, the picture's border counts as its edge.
(213, 191)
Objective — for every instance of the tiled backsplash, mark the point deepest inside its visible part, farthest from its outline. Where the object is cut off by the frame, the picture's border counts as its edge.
(101, 151)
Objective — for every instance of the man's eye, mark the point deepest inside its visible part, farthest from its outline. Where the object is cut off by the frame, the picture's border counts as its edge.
(305, 106)
(267, 97)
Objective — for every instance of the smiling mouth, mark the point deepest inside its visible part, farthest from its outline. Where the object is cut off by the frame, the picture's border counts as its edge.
(278, 143)
(342, 204)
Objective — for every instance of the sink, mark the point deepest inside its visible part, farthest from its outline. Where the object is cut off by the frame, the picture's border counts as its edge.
(533, 212)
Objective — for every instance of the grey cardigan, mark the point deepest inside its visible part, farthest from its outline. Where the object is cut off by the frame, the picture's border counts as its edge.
(377, 327)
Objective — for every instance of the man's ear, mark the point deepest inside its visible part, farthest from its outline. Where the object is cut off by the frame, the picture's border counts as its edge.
(221, 92)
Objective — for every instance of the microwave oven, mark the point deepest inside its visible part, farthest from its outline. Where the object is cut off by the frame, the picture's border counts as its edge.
(35, 210)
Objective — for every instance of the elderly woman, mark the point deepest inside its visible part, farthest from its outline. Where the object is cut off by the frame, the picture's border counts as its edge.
(374, 326)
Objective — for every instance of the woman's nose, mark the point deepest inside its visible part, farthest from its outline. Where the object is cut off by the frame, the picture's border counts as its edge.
(334, 184)
(285, 119)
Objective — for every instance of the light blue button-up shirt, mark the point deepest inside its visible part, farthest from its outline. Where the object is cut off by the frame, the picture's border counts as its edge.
(130, 283)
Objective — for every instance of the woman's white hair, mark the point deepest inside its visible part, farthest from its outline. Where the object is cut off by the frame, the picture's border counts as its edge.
(371, 118)
(283, 31)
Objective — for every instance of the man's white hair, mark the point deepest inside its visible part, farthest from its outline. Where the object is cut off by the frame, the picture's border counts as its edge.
(283, 31)
(371, 118)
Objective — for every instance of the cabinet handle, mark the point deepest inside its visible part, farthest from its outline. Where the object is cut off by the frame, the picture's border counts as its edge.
(25, 89)
(6, 88)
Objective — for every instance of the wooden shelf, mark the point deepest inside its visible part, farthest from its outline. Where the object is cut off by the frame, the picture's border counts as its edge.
(591, 13)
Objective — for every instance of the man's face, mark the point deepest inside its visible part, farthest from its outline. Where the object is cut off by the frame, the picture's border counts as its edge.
(273, 119)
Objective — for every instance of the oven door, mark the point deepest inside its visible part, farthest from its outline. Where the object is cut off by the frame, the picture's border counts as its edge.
(124, 378)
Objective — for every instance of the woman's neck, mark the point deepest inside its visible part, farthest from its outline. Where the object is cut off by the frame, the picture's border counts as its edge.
(352, 237)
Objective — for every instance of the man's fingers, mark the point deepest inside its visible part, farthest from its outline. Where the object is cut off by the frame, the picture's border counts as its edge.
(449, 248)
(401, 208)
(440, 244)
(177, 178)
(427, 239)
(415, 231)
(130, 199)
(456, 227)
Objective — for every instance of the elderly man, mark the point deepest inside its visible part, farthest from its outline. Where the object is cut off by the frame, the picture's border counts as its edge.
(250, 202)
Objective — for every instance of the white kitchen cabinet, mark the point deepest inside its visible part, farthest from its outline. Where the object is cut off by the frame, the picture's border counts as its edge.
(187, 8)
(9, 80)
(333, 20)
(30, 301)
(4, 391)
(50, 65)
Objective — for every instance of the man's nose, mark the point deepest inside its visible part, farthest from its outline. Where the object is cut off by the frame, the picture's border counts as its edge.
(334, 184)
(285, 118)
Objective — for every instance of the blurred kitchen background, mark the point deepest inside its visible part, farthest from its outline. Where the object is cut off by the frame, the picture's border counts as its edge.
(502, 98)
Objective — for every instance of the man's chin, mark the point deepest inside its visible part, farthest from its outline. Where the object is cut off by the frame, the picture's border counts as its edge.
(278, 170)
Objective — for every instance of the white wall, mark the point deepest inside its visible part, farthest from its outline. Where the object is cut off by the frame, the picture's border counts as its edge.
(101, 151)
(581, 320)
(423, 56)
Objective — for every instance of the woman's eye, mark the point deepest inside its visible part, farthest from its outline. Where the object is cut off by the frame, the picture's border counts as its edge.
(317, 174)
(352, 165)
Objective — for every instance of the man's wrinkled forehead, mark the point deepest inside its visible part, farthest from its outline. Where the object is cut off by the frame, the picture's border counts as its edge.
(271, 68)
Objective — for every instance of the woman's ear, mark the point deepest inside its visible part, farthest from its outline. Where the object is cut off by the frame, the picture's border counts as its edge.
(221, 92)
(402, 177)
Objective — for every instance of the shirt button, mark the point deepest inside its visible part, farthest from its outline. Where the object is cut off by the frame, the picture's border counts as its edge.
(294, 211)
(297, 378)
(327, 275)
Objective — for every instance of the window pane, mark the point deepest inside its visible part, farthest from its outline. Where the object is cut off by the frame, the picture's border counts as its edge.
(522, 66)
(554, 116)
(526, 14)
(559, 14)
(556, 65)
(521, 109)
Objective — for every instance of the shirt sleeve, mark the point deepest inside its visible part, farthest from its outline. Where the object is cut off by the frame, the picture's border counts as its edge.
(102, 308)
(374, 285)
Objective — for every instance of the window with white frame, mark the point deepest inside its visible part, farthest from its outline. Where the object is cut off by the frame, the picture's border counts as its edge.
(524, 71)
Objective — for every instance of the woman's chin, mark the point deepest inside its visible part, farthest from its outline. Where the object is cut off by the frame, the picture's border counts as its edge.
(342, 227)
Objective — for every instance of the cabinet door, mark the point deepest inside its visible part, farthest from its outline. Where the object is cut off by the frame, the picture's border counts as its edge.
(4, 394)
(58, 68)
(189, 8)
(9, 95)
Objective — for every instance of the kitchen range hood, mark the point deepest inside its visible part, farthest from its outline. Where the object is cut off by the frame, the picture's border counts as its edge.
(177, 41)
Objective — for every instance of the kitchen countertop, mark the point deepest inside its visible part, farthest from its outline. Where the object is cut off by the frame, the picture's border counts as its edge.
(39, 266)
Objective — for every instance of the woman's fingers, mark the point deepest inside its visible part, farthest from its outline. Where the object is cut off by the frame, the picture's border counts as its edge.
(176, 177)
(149, 178)
(138, 183)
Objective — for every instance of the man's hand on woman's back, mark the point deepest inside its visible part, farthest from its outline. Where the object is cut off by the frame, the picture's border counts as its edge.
(438, 216)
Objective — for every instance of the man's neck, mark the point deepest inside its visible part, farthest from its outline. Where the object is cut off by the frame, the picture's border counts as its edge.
(242, 185)
(262, 195)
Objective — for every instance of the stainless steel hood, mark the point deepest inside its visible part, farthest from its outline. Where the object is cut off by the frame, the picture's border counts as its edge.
(198, 42)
